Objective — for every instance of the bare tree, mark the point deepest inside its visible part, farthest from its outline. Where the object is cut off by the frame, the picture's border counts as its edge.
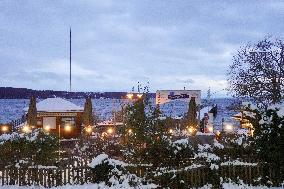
(257, 72)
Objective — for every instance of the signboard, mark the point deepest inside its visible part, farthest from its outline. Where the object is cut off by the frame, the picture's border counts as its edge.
(163, 96)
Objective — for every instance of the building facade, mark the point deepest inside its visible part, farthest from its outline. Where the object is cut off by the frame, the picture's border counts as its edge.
(59, 116)
(164, 96)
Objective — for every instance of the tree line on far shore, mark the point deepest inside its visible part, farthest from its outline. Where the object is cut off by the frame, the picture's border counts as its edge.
(24, 93)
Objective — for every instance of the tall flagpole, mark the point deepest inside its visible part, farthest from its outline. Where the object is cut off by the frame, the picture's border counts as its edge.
(70, 61)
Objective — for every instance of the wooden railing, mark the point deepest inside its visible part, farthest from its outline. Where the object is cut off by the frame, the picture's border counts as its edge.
(15, 123)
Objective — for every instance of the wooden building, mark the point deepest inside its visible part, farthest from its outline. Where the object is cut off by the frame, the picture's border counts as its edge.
(59, 116)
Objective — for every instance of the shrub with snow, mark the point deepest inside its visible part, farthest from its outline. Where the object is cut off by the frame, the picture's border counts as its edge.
(35, 148)
(113, 173)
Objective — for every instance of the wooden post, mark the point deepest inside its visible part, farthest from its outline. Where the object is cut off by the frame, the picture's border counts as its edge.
(40, 176)
(64, 176)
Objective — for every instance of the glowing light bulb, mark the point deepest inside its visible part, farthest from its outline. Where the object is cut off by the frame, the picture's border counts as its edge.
(110, 131)
(89, 129)
(67, 128)
(229, 127)
(129, 95)
(210, 129)
(190, 130)
(4, 128)
(26, 129)
(47, 128)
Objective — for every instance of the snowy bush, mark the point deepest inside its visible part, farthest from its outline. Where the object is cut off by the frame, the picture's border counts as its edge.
(114, 173)
(35, 148)
(269, 139)
(235, 146)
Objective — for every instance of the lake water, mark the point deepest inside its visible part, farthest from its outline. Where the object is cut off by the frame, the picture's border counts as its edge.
(12, 109)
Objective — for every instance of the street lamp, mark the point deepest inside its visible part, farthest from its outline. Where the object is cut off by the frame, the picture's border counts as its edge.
(171, 131)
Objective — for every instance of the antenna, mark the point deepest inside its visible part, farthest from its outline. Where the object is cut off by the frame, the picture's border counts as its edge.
(70, 62)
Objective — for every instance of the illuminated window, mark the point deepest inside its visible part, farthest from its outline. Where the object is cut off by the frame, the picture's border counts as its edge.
(68, 121)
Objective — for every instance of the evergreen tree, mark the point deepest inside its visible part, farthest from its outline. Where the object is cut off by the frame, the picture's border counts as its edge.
(136, 121)
(88, 118)
(269, 140)
(32, 113)
(192, 113)
(156, 125)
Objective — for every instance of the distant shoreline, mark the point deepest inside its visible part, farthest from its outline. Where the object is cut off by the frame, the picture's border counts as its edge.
(24, 93)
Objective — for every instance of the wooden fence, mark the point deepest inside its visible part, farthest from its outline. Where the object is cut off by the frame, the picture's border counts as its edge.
(47, 177)
(197, 177)
(50, 177)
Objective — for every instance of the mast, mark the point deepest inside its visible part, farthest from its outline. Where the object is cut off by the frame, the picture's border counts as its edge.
(70, 62)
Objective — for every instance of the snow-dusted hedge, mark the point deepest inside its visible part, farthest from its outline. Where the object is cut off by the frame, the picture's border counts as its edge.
(113, 173)
(35, 148)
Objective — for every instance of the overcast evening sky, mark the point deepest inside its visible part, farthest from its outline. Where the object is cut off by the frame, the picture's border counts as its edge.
(115, 44)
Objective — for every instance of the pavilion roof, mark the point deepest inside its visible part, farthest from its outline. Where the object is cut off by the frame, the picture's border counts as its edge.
(57, 105)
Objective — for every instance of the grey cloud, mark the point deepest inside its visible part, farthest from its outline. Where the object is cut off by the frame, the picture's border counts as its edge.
(117, 43)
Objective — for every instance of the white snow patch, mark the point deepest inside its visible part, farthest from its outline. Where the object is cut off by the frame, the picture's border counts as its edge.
(181, 141)
(104, 158)
(193, 166)
(218, 144)
(204, 147)
(207, 134)
(56, 105)
(208, 156)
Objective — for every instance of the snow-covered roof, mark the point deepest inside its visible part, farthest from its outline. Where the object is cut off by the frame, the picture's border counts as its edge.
(56, 105)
